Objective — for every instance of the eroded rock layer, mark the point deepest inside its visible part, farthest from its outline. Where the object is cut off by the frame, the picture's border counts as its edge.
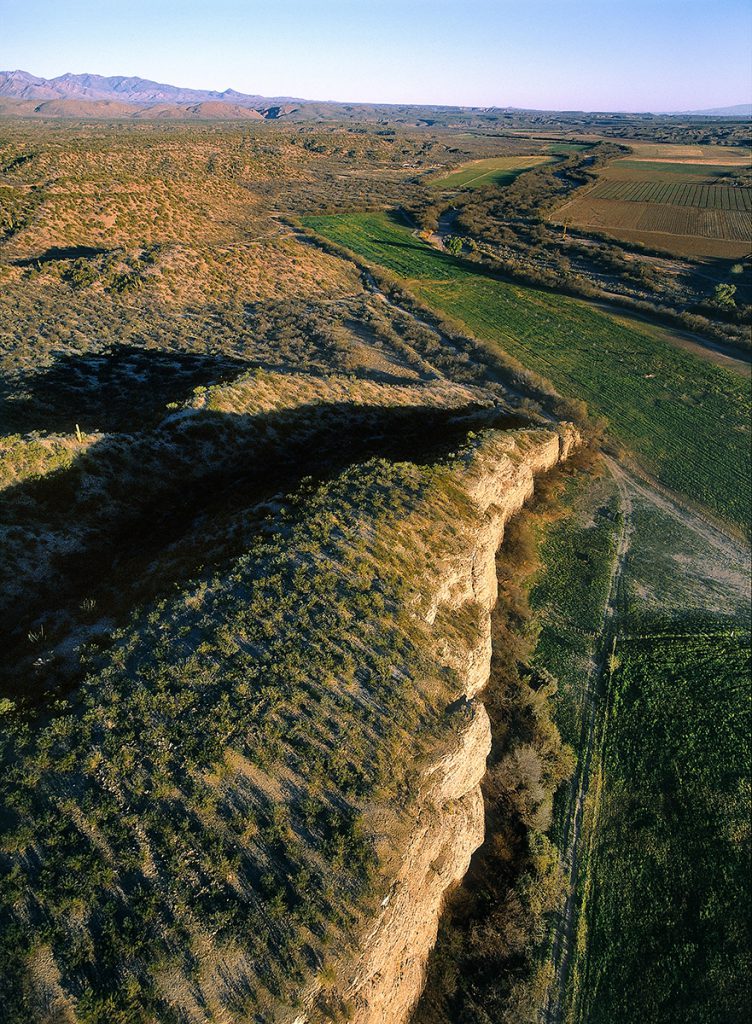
(253, 805)
(498, 477)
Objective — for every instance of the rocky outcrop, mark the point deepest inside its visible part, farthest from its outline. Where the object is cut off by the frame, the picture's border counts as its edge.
(297, 739)
(497, 477)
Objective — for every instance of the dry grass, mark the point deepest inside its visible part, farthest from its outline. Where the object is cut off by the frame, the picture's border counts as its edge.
(721, 156)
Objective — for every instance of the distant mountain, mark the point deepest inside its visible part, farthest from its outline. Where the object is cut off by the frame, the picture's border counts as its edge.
(21, 85)
(130, 97)
(738, 110)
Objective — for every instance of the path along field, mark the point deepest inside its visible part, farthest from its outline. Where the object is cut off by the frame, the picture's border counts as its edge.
(644, 567)
(493, 171)
(686, 419)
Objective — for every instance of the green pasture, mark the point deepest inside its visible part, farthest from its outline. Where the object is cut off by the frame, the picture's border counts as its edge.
(493, 171)
(667, 894)
(687, 420)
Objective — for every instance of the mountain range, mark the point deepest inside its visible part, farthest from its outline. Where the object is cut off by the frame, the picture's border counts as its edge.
(738, 110)
(23, 94)
(23, 86)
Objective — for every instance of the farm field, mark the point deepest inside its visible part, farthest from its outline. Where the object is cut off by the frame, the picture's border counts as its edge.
(666, 891)
(682, 230)
(685, 419)
(658, 151)
(668, 170)
(570, 592)
(494, 171)
(674, 197)
(705, 197)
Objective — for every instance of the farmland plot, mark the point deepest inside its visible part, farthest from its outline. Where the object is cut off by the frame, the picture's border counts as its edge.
(667, 895)
(705, 197)
(681, 230)
(685, 419)
(731, 228)
(681, 199)
(494, 171)
(668, 170)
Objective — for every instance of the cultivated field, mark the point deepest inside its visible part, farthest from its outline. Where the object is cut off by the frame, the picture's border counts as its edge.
(570, 593)
(651, 795)
(668, 170)
(683, 230)
(666, 890)
(495, 171)
(704, 197)
(680, 198)
(685, 419)
(660, 151)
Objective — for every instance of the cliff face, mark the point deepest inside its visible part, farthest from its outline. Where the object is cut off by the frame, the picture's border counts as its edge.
(272, 775)
(498, 477)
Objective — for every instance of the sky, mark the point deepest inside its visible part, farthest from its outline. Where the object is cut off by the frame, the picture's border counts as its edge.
(634, 55)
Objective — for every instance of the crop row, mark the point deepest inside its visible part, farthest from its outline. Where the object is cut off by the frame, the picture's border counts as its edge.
(706, 197)
(729, 224)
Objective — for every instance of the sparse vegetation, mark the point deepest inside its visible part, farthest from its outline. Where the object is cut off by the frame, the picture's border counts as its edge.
(239, 394)
(210, 785)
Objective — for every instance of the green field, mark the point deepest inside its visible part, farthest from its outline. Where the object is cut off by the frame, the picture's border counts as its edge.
(686, 419)
(494, 171)
(705, 197)
(571, 591)
(667, 894)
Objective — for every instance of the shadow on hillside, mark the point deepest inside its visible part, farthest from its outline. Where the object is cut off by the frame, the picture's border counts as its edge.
(152, 511)
(71, 252)
(122, 388)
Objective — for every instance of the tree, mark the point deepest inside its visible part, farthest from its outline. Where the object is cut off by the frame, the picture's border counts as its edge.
(454, 244)
(724, 294)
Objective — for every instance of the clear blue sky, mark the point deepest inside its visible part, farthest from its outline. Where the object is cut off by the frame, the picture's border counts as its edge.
(556, 54)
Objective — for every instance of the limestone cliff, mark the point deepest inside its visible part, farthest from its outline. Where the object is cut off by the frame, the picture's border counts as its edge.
(497, 476)
(272, 775)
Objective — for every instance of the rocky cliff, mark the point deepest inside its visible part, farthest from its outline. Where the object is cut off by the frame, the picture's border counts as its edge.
(270, 776)
(497, 477)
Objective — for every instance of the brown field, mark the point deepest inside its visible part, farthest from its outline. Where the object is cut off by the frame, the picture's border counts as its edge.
(678, 171)
(684, 230)
(718, 155)
(672, 198)
(689, 246)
